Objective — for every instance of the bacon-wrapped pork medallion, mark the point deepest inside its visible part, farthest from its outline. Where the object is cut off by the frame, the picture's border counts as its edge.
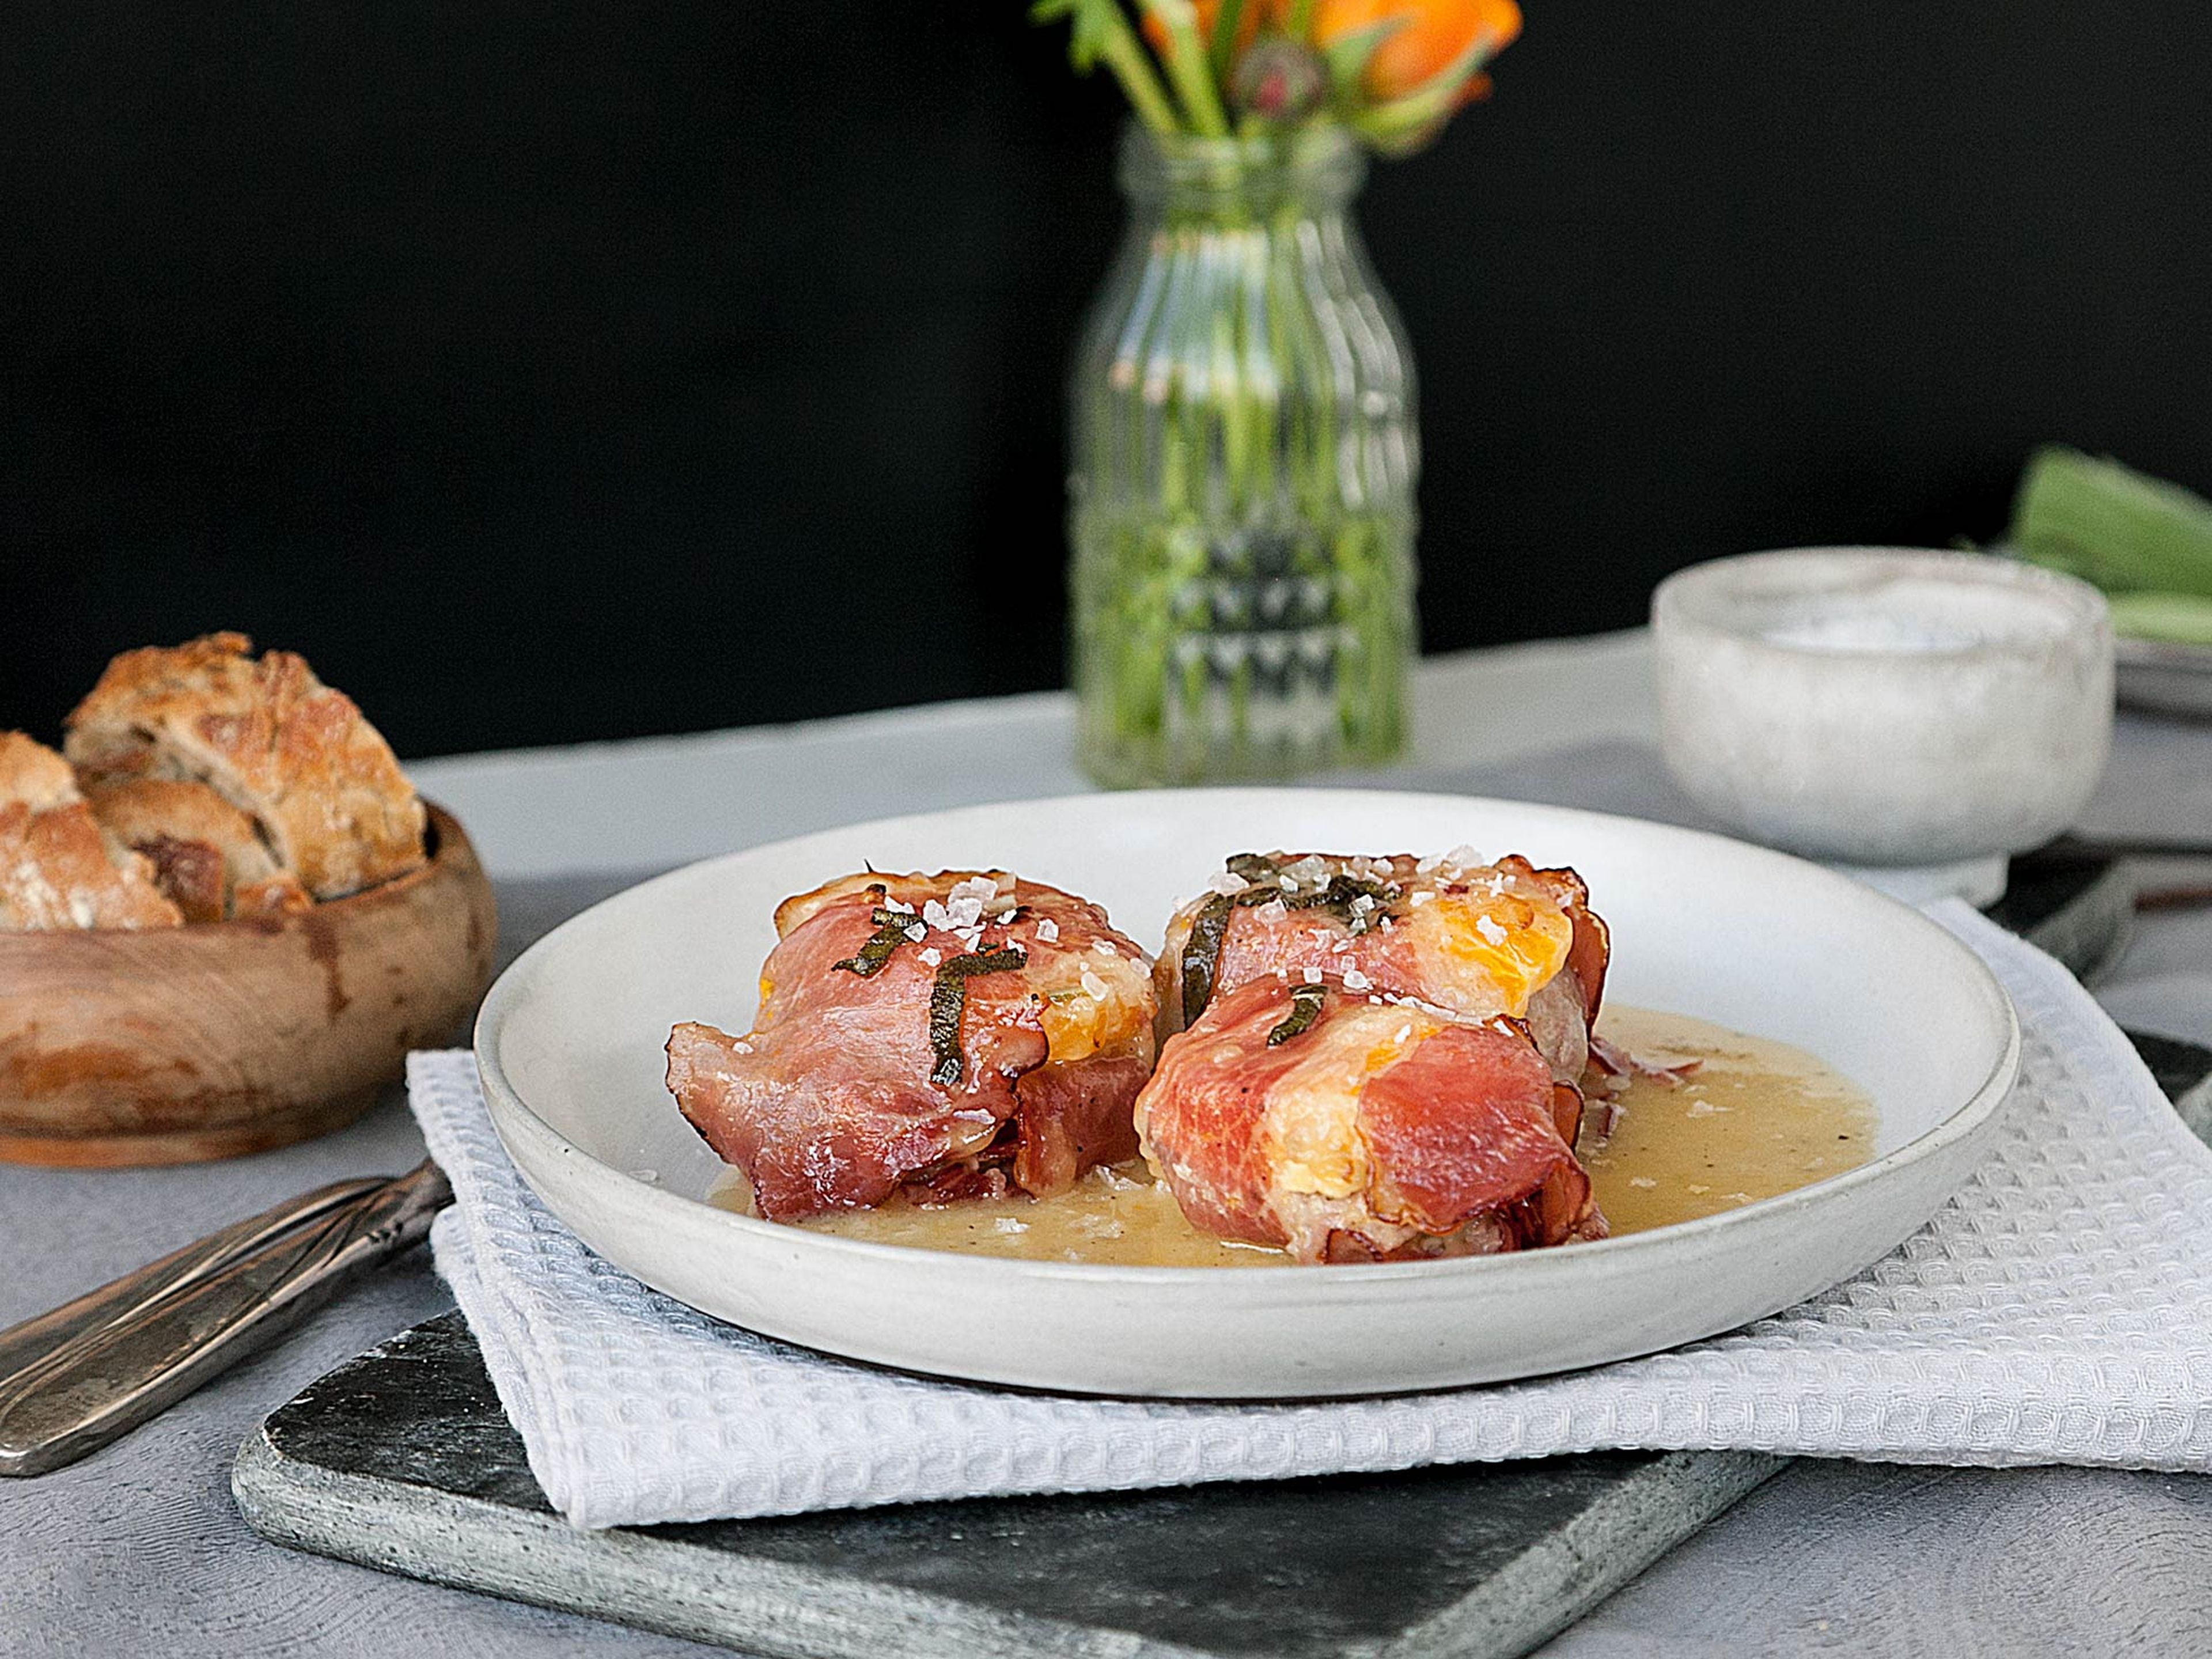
(1342, 1128)
(948, 1036)
(1476, 941)
(1379, 1058)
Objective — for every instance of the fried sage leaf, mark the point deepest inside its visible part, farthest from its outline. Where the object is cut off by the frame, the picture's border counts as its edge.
(1201, 954)
(948, 1000)
(891, 932)
(1340, 898)
(1305, 1008)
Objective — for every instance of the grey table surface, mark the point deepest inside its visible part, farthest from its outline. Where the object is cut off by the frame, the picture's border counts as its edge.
(139, 1550)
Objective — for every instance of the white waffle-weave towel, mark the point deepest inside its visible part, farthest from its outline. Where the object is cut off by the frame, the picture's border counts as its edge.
(2057, 1310)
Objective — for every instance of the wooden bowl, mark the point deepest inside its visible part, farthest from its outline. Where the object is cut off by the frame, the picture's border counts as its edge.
(177, 1045)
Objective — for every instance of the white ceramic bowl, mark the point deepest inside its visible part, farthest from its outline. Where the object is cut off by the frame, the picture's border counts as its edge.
(570, 1046)
(1886, 705)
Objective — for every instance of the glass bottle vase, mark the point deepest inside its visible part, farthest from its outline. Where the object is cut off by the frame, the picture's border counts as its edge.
(1241, 496)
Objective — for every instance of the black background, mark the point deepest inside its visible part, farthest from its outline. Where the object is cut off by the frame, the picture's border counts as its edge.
(553, 370)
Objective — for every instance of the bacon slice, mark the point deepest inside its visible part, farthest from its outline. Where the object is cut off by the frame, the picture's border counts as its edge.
(1476, 941)
(1479, 939)
(864, 1077)
(1379, 1132)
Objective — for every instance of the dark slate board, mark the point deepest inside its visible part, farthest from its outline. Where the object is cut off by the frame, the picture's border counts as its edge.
(2077, 907)
(403, 1461)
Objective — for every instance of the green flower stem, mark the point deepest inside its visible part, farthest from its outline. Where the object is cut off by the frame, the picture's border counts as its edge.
(1222, 54)
(1189, 68)
(1405, 122)
(1100, 28)
(1125, 56)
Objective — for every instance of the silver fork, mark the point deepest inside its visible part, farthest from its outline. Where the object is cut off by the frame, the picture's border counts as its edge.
(75, 1379)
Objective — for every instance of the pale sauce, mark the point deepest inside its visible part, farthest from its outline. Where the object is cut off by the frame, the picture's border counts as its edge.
(1117, 1217)
(1754, 1119)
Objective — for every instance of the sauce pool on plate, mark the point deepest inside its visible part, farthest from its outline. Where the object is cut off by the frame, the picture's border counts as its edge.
(1115, 1217)
(1755, 1118)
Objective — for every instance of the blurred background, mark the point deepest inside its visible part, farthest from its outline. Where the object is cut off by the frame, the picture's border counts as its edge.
(553, 371)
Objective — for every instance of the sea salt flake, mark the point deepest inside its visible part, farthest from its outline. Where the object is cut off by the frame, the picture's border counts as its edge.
(1313, 975)
(1271, 912)
(1226, 883)
(1105, 948)
(1423, 897)
(1490, 930)
(1356, 980)
(933, 956)
(1093, 987)
(898, 906)
(1048, 930)
(1642, 1181)
(917, 932)
(741, 1045)
(1006, 1223)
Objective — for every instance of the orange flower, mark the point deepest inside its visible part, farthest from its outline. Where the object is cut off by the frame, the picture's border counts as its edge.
(1435, 34)
(1248, 24)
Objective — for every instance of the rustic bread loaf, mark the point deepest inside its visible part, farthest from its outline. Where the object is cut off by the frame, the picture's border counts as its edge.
(56, 870)
(324, 791)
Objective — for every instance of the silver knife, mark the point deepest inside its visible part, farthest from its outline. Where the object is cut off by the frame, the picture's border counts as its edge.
(75, 1379)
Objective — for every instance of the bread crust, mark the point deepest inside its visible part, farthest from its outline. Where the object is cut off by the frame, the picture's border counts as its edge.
(319, 781)
(208, 856)
(56, 870)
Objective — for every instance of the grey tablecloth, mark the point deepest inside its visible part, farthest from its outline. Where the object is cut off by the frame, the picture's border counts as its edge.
(138, 1551)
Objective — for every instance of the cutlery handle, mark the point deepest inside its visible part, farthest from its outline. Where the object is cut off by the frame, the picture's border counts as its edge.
(73, 1380)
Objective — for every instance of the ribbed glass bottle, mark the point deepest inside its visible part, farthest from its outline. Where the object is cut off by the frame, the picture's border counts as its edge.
(1241, 496)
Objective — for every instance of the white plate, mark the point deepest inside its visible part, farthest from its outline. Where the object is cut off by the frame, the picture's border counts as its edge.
(570, 1046)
